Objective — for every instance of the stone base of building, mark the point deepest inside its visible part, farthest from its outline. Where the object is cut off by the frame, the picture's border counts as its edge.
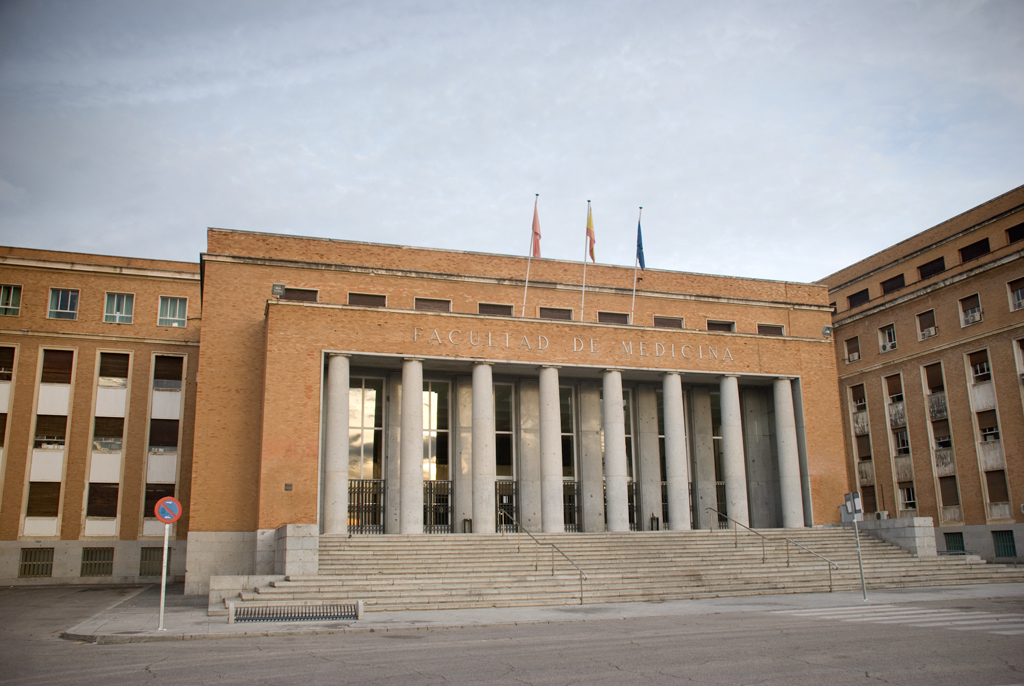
(979, 540)
(292, 549)
(916, 535)
(66, 565)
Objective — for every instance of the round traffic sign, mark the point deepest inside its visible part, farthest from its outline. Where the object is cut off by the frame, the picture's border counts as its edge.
(168, 510)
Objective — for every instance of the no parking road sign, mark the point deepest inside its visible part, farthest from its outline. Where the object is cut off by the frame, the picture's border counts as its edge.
(167, 510)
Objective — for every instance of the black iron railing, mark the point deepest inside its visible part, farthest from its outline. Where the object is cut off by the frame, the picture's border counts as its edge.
(506, 501)
(571, 506)
(366, 506)
(437, 507)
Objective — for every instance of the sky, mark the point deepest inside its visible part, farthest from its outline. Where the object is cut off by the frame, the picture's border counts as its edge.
(767, 139)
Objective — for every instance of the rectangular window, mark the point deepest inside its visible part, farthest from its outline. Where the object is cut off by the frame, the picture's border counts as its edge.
(108, 434)
(10, 300)
(436, 431)
(858, 298)
(954, 541)
(43, 499)
(367, 300)
(63, 304)
(933, 373)
(102, 500)
(119, 308)
(853, 349)
(771, 330)
(988, 425)
(613, 317)
(926, 325)
(997, 490)
(433, 305)
(668, 322)
(57, 366)
(307, 295)
(1015, 233)
(555, 313)
(1016, 295)
(495, 310)
(980, 369)
(974, 250)
(3, 429)
(1004, 544)
(163, 435)
(908, 500)
(366, 428)
(936, 266)
(172, 311)
(948, 491)
(504, 430)
(6, 364)
(167, 372)
(893, 284)
(940, 429)
(154, 494)
(867, 499)
(887, 338)
(901, 442)
(568, 421)
(864, 447)
(970, 310)
(51, 430)
(721, 326)
(114, 370)
(860, 402)
(97, 562)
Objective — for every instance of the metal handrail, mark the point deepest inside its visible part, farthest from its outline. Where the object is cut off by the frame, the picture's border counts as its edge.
(521, 530)
(764, 538)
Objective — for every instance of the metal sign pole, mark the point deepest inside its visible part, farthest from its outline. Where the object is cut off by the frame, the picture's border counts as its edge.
(163, 577)
(860, 560)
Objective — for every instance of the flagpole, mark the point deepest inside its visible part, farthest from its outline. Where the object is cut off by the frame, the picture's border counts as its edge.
(636, 261)
(586, 244)
(529, 253)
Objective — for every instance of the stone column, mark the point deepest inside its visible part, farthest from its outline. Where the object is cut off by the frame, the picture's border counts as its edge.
(462, 455)
(677, 470)
(530, 498)
(789, 456)
(411, 461)
(591, 475)
(649, 462)
(552, 514)
(483, 450)
(336, 447)
(615, 479)
(733, 460)
(706, 488)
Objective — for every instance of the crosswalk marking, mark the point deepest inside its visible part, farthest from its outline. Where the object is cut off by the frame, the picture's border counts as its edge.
(957, 620)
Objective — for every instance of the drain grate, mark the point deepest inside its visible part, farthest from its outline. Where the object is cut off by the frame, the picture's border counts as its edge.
(294, 613)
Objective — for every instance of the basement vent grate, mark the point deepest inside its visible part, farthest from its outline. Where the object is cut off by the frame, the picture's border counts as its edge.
(295, 613)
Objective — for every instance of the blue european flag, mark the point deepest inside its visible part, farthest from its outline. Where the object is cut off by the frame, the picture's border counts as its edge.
(640, 247)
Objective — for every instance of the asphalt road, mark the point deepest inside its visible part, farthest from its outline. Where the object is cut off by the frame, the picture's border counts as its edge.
(727, 647)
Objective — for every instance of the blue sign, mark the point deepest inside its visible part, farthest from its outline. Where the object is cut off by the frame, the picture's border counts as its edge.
(167, 510)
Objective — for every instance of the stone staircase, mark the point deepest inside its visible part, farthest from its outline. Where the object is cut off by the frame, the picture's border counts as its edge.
(397, 572)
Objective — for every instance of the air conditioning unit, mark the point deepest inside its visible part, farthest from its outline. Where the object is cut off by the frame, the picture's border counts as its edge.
(929, 332)
(972, 318)
(853, 357)
(886, 347)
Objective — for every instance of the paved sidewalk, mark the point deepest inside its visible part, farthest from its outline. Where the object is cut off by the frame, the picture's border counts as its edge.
(135, 620)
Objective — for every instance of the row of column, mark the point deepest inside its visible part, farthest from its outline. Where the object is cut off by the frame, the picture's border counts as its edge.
(615, 465)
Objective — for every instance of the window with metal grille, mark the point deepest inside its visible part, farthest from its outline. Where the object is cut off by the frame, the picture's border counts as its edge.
(858, 298)
(63, 304)
(119, 308)
(974, 250)
(300, 294)
(433, 304)
(151, 560)
(771, 330)
(555, 313)
(10, 300)
(613, 317)
(367, 300)
(721, 326)
(97, 562)
(893, 284)
(954, 541)
(668, 322)
(932, 268)
(1004, 544)
(172, 311)
(495, 309)
(35, 562)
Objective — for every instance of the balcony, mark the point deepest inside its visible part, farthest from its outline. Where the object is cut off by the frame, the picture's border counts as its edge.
(945, 462)
(937, 406)
(897, 415)
(860, 423)
(904, 468)
(866, 472)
